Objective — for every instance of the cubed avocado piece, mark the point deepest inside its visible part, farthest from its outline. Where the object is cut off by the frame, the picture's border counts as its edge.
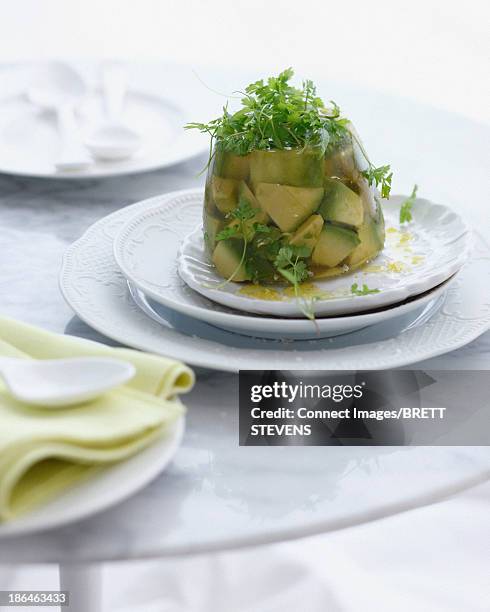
(308, 232)
(212, 225)
(209, 205)
(341, 163)
(225, 193)
(370, 243)
(334, 245)
(340, 204)
(288, 206)
(296, 167)
(323, 272)
(227, 256)
(229, 165)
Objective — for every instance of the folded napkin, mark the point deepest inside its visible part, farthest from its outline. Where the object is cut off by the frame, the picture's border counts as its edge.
(43, 451)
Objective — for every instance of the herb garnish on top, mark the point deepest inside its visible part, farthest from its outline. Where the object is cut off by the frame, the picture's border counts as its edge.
(276, 115)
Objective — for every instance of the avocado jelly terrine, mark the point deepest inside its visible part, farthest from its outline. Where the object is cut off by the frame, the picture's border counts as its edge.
(290, 192)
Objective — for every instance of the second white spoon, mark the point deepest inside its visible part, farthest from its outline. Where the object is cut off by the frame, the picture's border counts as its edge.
(113, 139)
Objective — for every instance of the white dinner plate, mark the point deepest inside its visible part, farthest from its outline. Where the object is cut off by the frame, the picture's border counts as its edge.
(93, 285)
(29, 140)
(415, 258)
(298, 329)
(390, 326)
(287, 329)
(146, 250)
(110, 486)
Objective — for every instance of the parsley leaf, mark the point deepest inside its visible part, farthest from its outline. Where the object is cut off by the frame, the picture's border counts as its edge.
(290, 264)
(238, 227)
(261, 228)
(364, 291)
(380, 176)
(244, 211)
(293, 268)
(406, 207)
(258, 265)
(284, 257)
(232, 231)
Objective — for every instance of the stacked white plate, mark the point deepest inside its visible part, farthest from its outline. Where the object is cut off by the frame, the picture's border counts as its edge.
(141, 276)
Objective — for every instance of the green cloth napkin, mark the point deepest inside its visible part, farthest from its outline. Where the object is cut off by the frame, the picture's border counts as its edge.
(43, 451)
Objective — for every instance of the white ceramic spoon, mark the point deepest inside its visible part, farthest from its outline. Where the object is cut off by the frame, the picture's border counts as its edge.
(59, 88)
(113, 140)
(63, 382)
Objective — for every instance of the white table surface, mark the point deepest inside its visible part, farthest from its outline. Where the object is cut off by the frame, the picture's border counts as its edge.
(432, 559)
(243, 499)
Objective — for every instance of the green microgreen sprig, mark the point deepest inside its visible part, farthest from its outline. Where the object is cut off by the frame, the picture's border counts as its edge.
(380, 177)
(406, 207)
(355, 290)
(242, 213)
(291, 265)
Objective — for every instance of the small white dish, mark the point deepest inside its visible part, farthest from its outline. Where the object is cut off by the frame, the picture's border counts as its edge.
(95, 288)
(105, 489)
(415, 259)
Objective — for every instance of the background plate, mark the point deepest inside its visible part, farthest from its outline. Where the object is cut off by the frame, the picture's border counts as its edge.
(29, 140)
(95, 288)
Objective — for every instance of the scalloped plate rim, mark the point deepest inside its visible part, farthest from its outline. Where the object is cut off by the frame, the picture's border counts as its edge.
(142, 333)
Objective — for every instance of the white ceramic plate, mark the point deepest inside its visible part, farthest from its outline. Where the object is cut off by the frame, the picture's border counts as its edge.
(29, 140)
(139, 246)
(93, 285)
(111, 486)
(391, 325)
(290, 329)
(415, 259)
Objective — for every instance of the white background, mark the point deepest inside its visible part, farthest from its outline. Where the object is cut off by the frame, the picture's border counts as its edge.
(435, 51)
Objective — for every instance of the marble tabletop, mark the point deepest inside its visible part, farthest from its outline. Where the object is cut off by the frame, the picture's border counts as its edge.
(217, 495)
